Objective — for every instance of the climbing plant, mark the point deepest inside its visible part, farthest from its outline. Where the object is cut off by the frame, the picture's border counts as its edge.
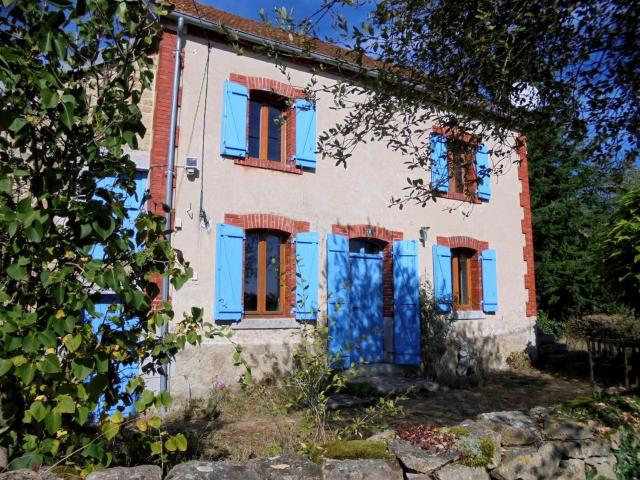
(71, 77)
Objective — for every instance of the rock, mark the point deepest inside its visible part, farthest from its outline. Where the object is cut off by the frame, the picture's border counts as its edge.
(572, 469)
(361, 470)
(514, 427)
(560, 429)
(382, 436)
(604, 466)
(285, 467)
(480, 430)
(460, 472)
(540, 412)
(598, 447)
(199, 470)
(528, 463)
(4, 458)
(615, 439)
(142, 472)
(25, 474)
(418, 460)
(417, 476)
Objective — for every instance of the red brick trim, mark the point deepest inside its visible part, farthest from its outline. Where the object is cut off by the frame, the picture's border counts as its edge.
(527, 229)
(283, 224)
(476, 266)
(387, 236)
(158, 158)
(288, 92)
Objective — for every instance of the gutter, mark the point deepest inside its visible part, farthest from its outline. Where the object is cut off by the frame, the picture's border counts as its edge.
(171, 155)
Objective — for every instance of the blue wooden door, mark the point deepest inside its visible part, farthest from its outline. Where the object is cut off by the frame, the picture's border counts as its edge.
(366, 307)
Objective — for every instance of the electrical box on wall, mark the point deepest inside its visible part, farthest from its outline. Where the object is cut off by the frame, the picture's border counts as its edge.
(191, 166)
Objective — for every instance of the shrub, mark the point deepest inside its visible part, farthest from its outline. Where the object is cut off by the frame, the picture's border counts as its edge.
(549, 326)
(603, 326)
(476, 452)
(519, 361)
(435, 329)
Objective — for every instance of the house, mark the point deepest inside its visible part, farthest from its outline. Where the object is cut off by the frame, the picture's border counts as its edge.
(280, 239)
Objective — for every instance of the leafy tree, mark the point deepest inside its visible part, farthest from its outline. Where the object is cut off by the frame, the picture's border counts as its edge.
(71, 76)
(488, 67)
(621, 247)
(571, 201)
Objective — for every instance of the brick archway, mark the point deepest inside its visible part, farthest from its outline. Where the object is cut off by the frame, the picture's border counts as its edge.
(384, 235)
(283, 224)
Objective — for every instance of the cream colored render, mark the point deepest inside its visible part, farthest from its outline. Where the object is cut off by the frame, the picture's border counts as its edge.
(359, 194)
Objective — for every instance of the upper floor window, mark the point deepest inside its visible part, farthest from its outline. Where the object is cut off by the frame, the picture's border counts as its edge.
(461, 167)
(461, 276)
(266, 132)
(264, 272)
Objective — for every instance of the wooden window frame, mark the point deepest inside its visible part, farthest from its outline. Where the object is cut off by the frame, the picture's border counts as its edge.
(262, 276)
(268, 100)
(466, 153)
(455, 273)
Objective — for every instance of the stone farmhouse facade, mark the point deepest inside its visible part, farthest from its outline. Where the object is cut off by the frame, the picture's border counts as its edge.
(287, 240)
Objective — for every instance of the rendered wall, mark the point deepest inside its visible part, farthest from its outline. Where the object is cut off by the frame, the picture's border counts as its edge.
(359, 194)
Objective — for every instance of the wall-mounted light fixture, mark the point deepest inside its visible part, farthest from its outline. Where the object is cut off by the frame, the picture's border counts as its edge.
(424, 233)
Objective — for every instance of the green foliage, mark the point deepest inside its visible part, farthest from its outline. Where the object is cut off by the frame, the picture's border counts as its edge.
(72, 75)
(612, 410)
(549, 325)
(603, 326)
(628, 455)
(482, 68)
(621, 248)
(570, 200)
(435, 328)
(459, 431)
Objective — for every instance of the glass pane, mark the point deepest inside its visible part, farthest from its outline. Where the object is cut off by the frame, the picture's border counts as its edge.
(251, 272)
(275, 132)
(355, 245)
(458, 173)
(464, 279)
(254, 128)
(273, 273)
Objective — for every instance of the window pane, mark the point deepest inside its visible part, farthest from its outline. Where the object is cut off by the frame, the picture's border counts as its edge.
(458, 173)
(251, 272)
(254, 128)
(464, 279)
(273, 273)
(275, 130)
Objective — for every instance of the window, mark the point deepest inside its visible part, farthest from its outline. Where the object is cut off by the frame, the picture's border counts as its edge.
(461, 276)
(266, 132)
(365, 245)
(461, 169)
(264, 272)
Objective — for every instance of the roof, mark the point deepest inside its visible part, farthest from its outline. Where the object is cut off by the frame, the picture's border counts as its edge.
(266, 31)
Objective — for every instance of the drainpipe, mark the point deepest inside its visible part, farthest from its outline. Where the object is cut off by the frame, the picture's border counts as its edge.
(168, 199)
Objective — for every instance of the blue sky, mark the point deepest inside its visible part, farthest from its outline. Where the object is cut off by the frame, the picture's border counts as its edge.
(302, 9)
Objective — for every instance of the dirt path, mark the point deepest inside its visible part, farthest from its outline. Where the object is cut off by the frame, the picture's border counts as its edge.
(501, 391)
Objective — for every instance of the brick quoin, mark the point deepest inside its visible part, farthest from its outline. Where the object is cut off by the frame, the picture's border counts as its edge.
(158, 158)
(384, 235)
(527, 229)
(476, 266)
(285, 225)
(288, 92)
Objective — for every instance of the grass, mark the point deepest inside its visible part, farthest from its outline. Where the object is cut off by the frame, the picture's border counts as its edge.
(613, 410)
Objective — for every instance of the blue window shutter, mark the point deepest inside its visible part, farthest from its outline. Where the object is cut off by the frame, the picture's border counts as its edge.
(489, 281)
(233, 140)
(406, 303)
(442, 285)
(229, 253)
(307, 276)
(439, 163)
(305, 133)
(338, 295)
(482, 166)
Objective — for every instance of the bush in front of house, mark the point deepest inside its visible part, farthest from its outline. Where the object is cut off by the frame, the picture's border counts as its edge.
(603, 326)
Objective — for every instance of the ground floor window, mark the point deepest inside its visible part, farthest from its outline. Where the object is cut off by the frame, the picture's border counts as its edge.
(264, 272)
